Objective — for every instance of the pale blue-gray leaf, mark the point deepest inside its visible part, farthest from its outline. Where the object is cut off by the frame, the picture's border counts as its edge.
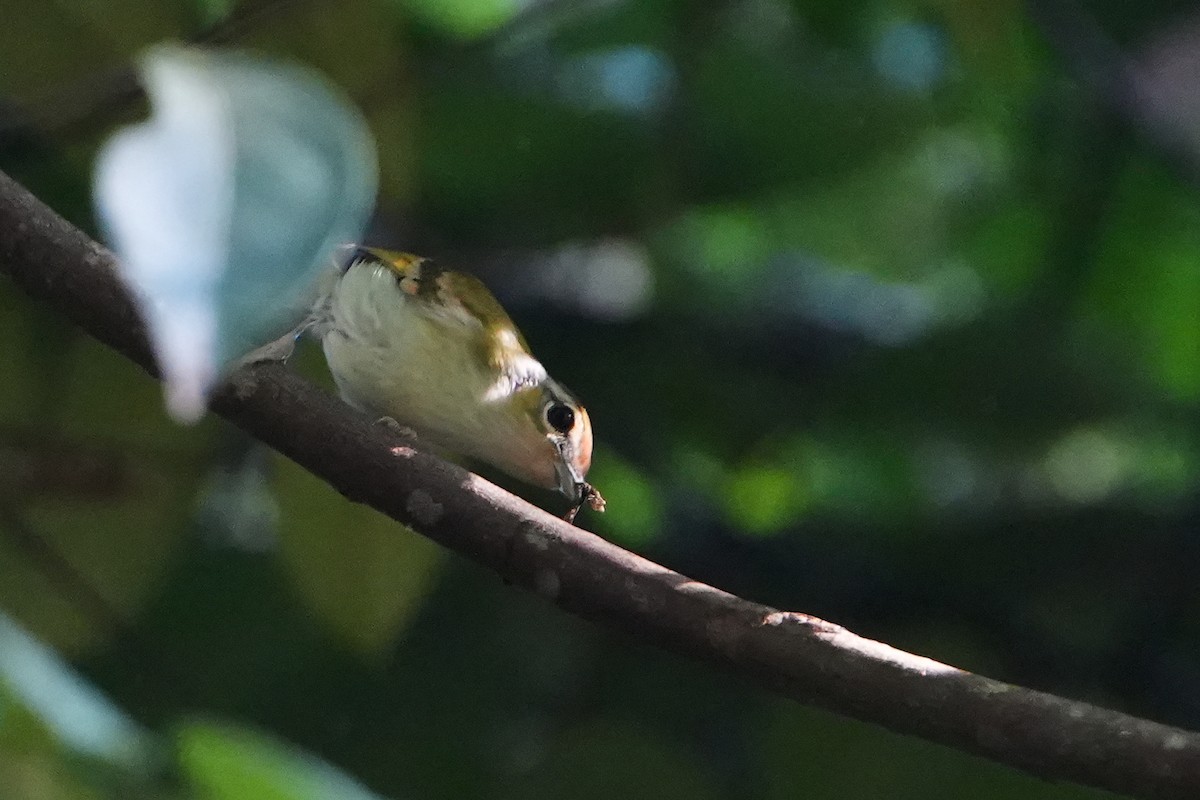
(225, 206)
(76, 713)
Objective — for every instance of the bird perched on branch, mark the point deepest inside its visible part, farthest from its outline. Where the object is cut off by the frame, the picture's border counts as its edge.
(434, 351)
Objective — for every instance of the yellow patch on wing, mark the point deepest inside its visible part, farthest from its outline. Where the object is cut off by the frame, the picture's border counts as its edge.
(475, 298)
(501, 339)
(419, 277)
(406, 265)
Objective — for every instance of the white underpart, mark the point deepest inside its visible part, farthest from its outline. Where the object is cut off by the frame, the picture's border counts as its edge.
(398, 356)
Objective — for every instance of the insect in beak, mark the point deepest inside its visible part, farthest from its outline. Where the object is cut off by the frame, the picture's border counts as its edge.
(587, 496)
(573, 486)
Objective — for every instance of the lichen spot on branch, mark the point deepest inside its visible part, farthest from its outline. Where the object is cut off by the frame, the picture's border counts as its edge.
(424, 509)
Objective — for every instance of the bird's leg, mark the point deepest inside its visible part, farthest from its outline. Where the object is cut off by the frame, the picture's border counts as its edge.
(396, 428)
(276, 351)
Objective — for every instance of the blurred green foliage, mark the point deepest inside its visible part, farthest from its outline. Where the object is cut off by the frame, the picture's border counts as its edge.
(878, 313)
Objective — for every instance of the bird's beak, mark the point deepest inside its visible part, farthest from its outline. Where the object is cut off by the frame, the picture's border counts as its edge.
(570, 482)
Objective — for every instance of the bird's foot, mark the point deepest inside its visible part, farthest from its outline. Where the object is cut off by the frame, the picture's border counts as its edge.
(396, 428)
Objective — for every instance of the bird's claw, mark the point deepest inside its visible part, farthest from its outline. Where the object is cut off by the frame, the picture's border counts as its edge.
(396, 428)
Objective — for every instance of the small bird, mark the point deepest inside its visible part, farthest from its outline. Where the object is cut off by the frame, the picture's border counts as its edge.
(433, 350)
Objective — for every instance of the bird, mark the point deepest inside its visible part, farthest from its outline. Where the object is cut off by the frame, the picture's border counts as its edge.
(432, 350)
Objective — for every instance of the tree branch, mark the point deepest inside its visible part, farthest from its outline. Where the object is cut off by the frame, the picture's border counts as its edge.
(795, 655)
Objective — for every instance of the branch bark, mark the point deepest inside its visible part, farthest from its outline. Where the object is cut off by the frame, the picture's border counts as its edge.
(795, 655)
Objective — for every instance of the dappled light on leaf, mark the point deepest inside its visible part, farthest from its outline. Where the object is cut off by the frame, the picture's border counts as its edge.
(1086, 465)
(804, 256)
(634, 80)
(228, 762)
(763, 500)
(608, 279)
(910, 56)
(237, 507)
(464, 19)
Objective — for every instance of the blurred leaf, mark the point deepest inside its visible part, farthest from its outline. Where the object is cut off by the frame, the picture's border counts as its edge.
(764, 499)
(37, 775)
(359, 48)
(127, 25)
(603, 759)
(101, 481)
(363, 574)
(1001, 59)
(79, 715)
(1147, 277)
(800, 118)
(116, 549)
(226, 206)
(574, 170)
(51, 50)
(1167, 66)
(237, 506)
(600, 24)
(909, 201)
(723, 249)
(635, 508)
(835, 758)
(463, 19)
(18, 394)
(831, 20)
(22, 729)
(113, 403)
(854, 476)
(1164, 465)
(226, 762)
(211, 12)
(1007, 247)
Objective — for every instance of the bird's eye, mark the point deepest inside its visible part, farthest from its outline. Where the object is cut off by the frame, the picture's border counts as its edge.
(560, 417)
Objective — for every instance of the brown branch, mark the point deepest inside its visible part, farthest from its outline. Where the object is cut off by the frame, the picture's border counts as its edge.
(795, 655)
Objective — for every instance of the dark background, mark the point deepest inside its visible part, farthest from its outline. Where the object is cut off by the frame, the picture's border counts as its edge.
(884, 311)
